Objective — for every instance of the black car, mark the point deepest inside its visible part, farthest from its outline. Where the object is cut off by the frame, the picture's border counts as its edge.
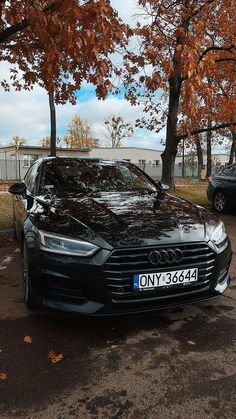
(221, 189)
(101, 237)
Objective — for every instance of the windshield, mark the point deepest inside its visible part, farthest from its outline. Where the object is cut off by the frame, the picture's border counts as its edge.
(229, 171)
(86, 176)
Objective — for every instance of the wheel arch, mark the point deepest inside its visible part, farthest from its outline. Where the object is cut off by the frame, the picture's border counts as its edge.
(217, 190)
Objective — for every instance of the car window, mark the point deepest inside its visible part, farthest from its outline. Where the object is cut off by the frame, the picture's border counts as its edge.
(30, 177)
(234, 172)
(229, 171)
(132, 179)
(83, 176)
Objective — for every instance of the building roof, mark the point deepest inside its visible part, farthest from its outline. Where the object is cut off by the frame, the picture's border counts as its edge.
(38, 147)
(126, 148)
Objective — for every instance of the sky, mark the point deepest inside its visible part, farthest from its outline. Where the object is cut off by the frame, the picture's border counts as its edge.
(27, 113)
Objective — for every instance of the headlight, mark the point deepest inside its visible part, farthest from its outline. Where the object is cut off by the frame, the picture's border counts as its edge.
(58, 244)
(219, 237)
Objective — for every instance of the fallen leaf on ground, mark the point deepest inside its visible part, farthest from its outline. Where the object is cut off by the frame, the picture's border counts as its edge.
(28, 339)
(54, 357)
(114, 346)
(3, 376)
(191, 343)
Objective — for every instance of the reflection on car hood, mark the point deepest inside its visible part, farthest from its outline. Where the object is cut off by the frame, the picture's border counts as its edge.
(123, 218)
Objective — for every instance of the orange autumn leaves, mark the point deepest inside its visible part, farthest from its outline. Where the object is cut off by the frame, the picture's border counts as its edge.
(27, 339)
(184, 71)
(59, 44)
(193, 44)
(3, 376)
(52, 356)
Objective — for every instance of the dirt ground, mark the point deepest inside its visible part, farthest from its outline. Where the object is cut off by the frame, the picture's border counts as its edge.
(174, 364)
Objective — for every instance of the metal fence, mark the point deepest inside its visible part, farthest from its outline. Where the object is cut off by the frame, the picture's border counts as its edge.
(155, 172)
(12, 169)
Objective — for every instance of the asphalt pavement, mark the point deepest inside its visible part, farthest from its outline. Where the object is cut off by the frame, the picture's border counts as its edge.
(177, 363)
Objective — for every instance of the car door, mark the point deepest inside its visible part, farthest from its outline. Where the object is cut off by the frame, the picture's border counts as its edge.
(22, 203)
(232, 186)
(229, 183)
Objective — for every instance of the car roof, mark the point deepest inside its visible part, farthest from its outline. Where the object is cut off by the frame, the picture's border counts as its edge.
(229, 165)
(94, 159)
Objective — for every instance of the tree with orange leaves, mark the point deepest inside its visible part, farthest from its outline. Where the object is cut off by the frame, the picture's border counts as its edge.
(181, 45)
(221, 106)
(58, 45)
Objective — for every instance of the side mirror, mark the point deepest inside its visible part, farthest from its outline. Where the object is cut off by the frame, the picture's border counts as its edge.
(18, 189)
(163, 186)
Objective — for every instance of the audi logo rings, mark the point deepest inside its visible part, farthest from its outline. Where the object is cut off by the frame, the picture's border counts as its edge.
(161, 257)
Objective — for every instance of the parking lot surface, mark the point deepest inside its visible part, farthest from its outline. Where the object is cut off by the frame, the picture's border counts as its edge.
(177, 363)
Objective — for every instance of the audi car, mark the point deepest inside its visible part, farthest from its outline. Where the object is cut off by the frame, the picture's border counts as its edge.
(221, 189)
(100, 237)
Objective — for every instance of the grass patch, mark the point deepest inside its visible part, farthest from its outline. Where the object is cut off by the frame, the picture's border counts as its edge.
(6, 212)
(194, 194)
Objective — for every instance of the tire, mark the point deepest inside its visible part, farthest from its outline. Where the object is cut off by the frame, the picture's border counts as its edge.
(26, 280)
(220, 202)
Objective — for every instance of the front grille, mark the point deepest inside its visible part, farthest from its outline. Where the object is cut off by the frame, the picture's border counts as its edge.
(123, 264)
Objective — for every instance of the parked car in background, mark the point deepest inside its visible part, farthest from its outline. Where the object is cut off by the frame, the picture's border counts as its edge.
(221, 189)
(101, 237)
(218, 169)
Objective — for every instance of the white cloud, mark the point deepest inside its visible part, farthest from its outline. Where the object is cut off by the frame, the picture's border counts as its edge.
(27, 114)
(126, 9)
(96, 111)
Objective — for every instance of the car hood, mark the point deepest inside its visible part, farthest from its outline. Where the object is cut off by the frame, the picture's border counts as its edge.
(123, 219)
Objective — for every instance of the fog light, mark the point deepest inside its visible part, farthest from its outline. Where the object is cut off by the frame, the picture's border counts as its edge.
(223, 280)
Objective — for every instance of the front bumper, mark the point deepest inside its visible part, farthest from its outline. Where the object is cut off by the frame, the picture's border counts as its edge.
(79, 285)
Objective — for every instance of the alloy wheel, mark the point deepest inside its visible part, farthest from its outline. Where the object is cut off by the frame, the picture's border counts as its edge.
(219, 202)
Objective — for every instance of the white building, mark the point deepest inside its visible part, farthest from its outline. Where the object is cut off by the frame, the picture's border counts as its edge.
(16, 160)
(148, 159)
(136, 155)
(191, 166)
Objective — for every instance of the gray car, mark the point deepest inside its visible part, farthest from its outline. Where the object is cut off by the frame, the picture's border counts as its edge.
(221, 189)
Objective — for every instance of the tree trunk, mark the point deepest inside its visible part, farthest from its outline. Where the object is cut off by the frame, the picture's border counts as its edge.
(209, 148)
(168, 167)
(169, 154)
(232, 157)
(53, 135)
(199, 157)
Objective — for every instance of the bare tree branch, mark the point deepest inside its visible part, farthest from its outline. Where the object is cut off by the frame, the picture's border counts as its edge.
(24, 24)
(200, 131)
(230, 49)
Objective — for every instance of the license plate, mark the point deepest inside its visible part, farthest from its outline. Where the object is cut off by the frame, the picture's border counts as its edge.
(162, 279)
